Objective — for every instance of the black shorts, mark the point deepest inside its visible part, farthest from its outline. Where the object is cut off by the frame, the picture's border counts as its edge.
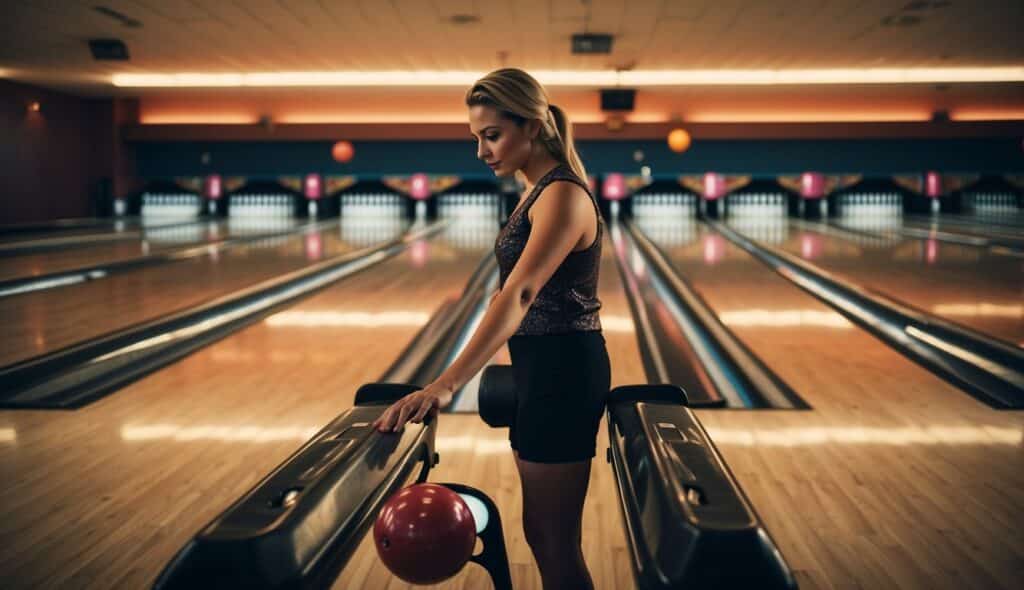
(562, 383)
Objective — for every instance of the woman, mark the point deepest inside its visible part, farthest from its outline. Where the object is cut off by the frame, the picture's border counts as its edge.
(546, 309)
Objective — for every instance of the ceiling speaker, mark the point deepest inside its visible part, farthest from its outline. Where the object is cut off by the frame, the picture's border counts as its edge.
(617, 99)
(108, 49)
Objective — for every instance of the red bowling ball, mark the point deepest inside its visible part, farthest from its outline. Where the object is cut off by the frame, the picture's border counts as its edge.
(425, 533)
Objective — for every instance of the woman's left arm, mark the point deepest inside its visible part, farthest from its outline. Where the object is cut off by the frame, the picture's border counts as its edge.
(561, 215)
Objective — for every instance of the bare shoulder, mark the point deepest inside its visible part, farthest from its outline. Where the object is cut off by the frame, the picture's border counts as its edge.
(562, 198)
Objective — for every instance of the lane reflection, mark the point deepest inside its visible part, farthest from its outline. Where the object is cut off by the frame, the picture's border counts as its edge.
(979, 310)
(211, 432)
(865, 435)
(346, 319)
(179, 433)
(784, 318)
(773, 437)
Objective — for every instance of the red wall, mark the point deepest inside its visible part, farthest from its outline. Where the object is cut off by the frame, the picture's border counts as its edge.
(52, 161)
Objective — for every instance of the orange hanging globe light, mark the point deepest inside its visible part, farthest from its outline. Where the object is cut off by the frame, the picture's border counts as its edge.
(678, 140)
(342, 151)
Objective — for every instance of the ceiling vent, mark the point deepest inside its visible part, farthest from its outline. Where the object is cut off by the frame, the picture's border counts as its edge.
(591, 44)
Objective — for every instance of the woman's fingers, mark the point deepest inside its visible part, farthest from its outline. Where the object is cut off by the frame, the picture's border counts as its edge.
(383, 423)
(410, 408)
(378, 420)
(426, 406)
(387, 419)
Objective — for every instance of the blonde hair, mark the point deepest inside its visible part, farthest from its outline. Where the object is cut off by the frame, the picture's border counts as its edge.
(517, 96)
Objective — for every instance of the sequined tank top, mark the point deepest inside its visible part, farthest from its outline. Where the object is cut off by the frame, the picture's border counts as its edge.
(568, 302)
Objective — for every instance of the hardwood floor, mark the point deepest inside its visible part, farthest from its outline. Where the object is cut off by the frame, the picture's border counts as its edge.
(894, 478)
(49, 320)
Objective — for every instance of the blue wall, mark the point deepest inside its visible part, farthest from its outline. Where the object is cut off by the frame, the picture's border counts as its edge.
(759, 158)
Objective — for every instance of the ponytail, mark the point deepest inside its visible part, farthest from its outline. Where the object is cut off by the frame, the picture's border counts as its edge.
(563, 144)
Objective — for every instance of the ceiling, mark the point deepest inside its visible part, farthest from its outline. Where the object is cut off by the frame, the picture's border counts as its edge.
(43, 42)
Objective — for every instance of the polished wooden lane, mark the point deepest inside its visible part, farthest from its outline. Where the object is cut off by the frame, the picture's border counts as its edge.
(150, 465)
(82, 226)
(32, 265)
(105, 495)
(895, 478)
(40, 322)
(154, 240)
(999, 220)
(12, 238)
(960, 228)
(964, 284)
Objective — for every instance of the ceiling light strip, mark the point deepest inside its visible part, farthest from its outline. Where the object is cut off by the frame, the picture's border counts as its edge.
(583, 78)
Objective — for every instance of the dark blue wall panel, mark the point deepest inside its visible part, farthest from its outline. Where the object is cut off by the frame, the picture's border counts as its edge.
(760, 158)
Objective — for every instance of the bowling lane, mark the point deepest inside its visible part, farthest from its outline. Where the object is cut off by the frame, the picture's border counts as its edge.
(53, 225)
(965, 284)
(1000, 219)
(975, 229)
(170, 452)
(44, 321)
(105, 495)
(856, 490)
(98, 227)
(153, 240)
